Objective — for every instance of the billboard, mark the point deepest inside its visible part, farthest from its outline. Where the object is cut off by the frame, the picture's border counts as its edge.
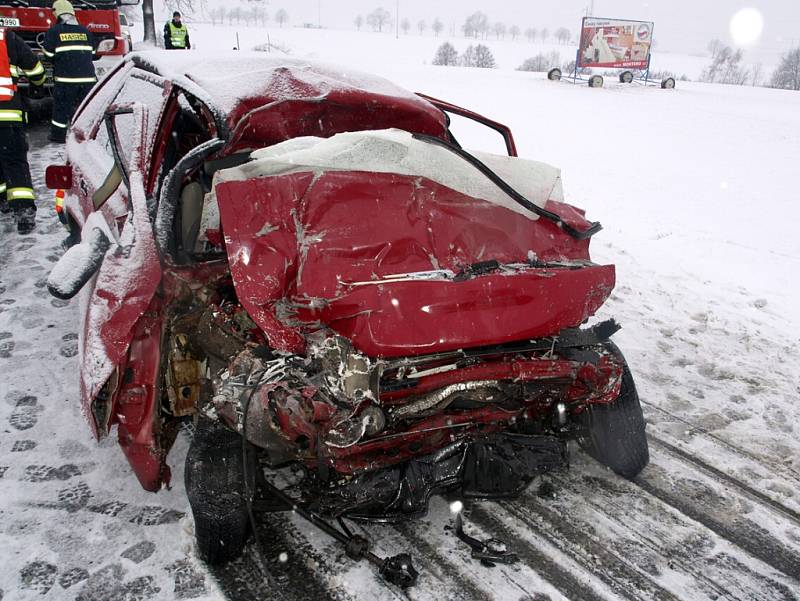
(615, 43)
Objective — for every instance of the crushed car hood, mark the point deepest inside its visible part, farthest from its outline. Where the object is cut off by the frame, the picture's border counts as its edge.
(401, 246)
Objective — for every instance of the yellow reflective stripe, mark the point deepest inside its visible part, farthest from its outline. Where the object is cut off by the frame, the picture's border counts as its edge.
(37, 70)
(61, 125)
(20, 193)
(74, 48)
(14, 71)
(2, 188)
(76, 79)
(10, 115)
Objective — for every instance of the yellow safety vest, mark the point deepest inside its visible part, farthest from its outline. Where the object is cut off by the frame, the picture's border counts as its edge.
(177, 35)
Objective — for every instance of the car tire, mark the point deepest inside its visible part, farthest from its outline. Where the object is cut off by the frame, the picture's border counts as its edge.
(626, 77)
(668, 83)
(215, 485)
(615, 432)
(596, 81)
(554, 74)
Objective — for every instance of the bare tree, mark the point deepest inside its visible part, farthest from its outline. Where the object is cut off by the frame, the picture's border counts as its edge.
(476, 24)
(446, 55)
(725, 68)
(530, 33)
(149, 22)
(514, 31)
(499, 30)
(756, 73)
(541, 62)
(437, 26)
(467, 59)
(405, 25)
(787, 75)
(379, 18)
(714, 46)
(562, 35)
(281, 17)
(359, 22)
(484, 58)
(545, 33)
(217, 15)
(422, 26)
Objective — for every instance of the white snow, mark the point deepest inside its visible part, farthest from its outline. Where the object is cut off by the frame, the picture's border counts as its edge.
(396, 151)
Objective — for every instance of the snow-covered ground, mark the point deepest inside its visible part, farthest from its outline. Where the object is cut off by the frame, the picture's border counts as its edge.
(697, 190)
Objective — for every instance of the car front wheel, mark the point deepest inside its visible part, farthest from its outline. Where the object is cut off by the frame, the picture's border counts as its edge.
(215, 486)
(615, 432)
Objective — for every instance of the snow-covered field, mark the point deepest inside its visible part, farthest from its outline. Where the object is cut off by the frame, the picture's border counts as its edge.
(697, 190)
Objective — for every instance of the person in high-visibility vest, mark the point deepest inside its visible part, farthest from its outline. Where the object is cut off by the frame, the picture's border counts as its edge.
(71, 48)
(176, 36)
(16, 189)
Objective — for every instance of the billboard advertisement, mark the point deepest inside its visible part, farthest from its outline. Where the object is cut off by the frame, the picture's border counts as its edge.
(615, 43)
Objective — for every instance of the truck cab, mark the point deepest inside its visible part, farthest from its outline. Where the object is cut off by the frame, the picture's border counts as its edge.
(30, 19)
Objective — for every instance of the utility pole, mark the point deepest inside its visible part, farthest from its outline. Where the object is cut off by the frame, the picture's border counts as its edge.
(319, 14)
(397, 20)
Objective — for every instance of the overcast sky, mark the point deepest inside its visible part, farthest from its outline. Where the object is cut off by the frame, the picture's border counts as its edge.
(680, 25)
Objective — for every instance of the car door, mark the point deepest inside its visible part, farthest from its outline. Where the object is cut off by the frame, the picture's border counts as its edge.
(111, 155)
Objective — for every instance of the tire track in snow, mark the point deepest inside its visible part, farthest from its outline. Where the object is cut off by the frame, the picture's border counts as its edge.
(571, 583)
(642, 521)
(726, 479)
(696, 500)
(788, 473)
(580, 541)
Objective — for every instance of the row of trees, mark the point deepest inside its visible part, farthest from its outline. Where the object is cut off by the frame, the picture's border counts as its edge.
(474, 56)
(726, 67)
(253, 15)
(477, 25)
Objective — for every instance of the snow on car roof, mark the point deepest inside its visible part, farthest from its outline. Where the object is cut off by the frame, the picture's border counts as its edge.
(396, 151)
(228, 78)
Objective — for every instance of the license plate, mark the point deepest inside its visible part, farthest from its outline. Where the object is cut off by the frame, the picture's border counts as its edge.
(9, 22)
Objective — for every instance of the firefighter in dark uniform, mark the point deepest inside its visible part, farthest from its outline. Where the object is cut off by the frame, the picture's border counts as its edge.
(176, 36)
(71, 48)
(16, 189)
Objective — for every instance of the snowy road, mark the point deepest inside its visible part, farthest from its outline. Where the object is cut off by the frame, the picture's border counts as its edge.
(715, 516)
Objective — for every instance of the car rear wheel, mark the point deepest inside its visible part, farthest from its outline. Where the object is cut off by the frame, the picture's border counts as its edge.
(615, 433)
(215, 486)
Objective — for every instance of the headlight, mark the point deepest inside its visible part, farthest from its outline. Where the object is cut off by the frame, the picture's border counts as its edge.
(106, 45)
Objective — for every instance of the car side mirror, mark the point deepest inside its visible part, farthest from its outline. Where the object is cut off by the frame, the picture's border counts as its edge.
(58, 177)
(78, 265)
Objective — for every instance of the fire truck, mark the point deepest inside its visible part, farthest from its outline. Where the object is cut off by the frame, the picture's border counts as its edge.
(30, 19)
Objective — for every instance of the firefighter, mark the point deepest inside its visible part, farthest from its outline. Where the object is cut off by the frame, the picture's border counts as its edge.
(16, 189)
(71, 48)
(176, 36)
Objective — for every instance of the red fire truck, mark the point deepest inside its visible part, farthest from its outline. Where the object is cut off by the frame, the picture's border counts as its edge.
(30, 19)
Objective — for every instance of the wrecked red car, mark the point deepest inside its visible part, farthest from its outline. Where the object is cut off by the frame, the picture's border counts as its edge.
(304, 262)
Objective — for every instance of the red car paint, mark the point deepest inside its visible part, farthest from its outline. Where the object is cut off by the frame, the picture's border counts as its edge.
(389, 236)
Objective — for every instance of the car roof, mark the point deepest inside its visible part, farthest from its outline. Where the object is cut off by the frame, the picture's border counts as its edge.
(237, 84)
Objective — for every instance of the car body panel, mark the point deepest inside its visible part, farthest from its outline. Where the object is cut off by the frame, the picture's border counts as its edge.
(297, 250)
